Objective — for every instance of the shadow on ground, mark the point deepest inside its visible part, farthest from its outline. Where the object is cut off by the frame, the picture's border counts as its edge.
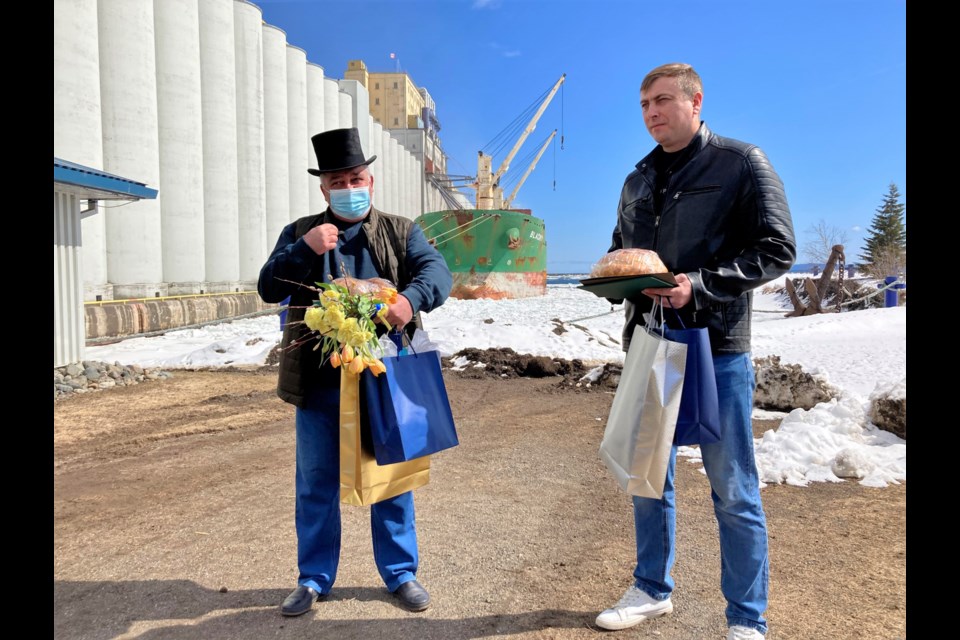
(182, 609)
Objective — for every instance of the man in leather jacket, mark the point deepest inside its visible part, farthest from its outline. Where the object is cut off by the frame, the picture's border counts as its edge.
(350, 238)
(714, 210)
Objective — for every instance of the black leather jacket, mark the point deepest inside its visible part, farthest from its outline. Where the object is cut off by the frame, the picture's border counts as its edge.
(725, 223)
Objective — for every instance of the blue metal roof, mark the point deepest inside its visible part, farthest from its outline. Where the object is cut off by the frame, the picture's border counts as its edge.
(97, 184)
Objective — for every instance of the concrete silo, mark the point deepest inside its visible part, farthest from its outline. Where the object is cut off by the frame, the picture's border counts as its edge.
(297, 132)
(316, 86)
(415, 194)
(345, 112)
(359, 107)
(218, 90)
(77, 129)
(372, 146)
(393, 152)
(251, 187)
(275, 141)
(331, 104)
(180, 134)
(128, 94)
(403, 175)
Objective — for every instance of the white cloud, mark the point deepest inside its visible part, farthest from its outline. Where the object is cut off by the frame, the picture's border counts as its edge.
(503, 50)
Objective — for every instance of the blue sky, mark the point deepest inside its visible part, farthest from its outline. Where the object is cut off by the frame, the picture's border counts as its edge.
(819, 85)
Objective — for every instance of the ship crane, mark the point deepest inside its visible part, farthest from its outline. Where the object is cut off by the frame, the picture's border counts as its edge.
(489, 192)
(509, 201)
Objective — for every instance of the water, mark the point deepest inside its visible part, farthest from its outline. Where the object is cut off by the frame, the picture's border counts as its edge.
(565, 278)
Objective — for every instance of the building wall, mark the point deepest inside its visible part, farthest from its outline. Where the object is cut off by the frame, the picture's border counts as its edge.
(395, 101)
(68, 322)
(202, 101)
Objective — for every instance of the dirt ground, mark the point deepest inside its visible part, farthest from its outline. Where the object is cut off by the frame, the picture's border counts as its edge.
(173, 519)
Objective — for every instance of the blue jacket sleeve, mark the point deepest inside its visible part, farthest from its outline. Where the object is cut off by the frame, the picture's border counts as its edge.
(292, 259)
(431, 279)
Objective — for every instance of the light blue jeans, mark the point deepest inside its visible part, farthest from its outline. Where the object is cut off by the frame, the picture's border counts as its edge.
(392, 521)
(732, 470)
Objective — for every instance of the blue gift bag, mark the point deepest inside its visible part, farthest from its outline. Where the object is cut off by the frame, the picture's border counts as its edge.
(407, 408)
(699, 418)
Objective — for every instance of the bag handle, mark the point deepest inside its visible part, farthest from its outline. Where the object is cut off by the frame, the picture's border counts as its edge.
(657, 306)
(399, 337)
(676, 314)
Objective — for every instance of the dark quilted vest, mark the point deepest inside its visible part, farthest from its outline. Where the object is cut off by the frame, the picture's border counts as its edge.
(387, 237)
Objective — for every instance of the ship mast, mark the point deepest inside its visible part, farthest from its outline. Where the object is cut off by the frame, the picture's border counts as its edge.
(489, 193)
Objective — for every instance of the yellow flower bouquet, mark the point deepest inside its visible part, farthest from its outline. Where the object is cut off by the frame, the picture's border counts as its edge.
(342, 320)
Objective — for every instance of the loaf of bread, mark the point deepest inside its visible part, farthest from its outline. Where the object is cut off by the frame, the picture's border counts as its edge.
(628, 262)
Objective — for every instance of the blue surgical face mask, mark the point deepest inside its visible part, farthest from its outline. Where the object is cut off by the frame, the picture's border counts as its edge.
(350, 204)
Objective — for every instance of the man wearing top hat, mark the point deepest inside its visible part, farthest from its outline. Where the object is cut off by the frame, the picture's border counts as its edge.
(352, 238)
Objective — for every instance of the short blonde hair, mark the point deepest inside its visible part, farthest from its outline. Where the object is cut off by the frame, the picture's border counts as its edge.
(687, 78)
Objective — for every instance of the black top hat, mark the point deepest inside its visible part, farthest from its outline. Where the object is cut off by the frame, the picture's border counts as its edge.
(338, 150)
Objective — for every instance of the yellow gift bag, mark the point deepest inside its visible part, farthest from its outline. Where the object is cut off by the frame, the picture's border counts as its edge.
(362, 480)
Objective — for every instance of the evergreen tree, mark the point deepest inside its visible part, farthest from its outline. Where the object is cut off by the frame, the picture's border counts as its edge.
(885, 248)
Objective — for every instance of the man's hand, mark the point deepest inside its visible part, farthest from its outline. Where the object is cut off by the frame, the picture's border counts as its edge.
(400, 312)
(321, 238)
(676, 296)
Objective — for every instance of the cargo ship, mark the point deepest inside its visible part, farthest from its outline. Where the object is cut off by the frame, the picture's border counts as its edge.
(494, 251)
(494, 254)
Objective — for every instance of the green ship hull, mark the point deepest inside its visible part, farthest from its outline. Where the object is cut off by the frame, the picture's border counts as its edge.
(493, 254)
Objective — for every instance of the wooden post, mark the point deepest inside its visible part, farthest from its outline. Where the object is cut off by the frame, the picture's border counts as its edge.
(814, 293)
(827, 275)
(799, 308)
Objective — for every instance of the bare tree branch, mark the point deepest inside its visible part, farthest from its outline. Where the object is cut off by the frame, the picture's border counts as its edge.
(823, 238)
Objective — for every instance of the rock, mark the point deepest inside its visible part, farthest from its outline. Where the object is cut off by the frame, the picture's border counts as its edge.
(888, 408)
(785, 387)
(97, 376)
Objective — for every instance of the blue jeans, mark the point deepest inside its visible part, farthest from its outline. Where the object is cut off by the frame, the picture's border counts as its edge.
(735, 484)
(392, 521)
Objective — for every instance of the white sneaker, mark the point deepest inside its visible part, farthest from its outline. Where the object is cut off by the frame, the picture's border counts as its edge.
(633, 608)
(740, 632)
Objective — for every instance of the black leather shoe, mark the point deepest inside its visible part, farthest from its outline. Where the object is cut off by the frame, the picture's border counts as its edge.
(299, 601)
(413, 596)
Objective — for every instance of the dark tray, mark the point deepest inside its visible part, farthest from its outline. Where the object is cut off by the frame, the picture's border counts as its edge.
(626, 286)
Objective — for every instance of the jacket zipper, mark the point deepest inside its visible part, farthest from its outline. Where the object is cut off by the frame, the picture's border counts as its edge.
(691, 192)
